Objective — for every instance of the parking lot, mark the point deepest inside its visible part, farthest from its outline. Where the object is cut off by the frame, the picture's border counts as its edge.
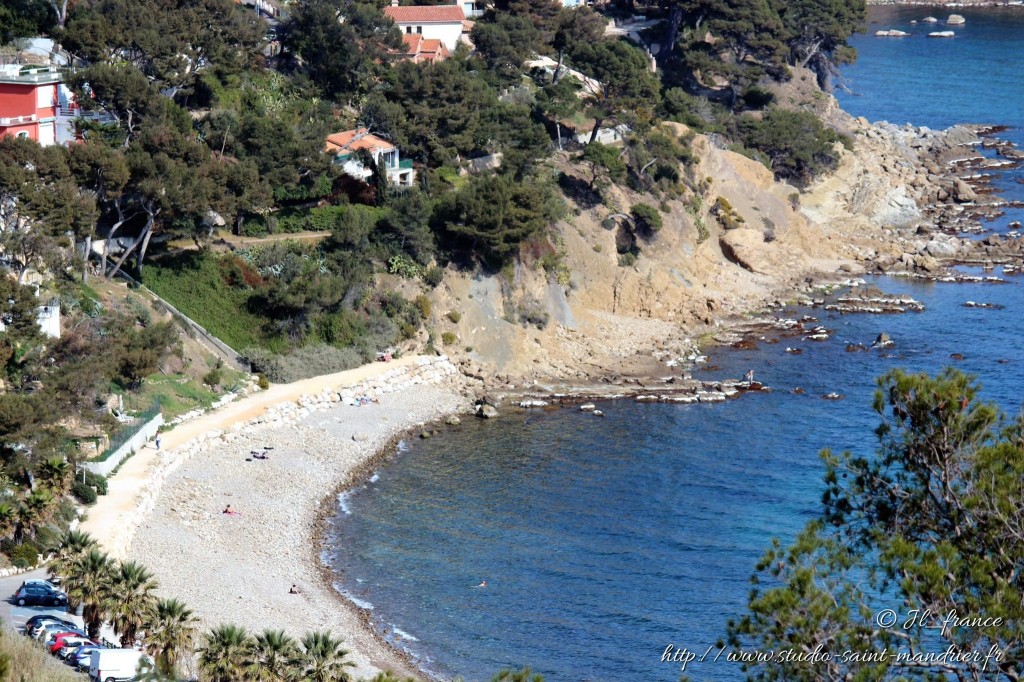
(14, 615)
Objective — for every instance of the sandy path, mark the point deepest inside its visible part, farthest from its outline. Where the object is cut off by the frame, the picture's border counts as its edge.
(111, 510)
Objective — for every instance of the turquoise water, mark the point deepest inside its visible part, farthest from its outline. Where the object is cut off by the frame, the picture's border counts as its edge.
(602, 541)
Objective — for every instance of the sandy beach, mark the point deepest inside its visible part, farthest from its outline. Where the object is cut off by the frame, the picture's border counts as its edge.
(239, 568)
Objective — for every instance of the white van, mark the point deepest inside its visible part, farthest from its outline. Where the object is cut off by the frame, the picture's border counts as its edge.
(114, 665)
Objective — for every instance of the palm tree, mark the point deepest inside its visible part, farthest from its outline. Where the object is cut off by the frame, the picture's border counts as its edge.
(226, 655)
(8, 519)
(33, 511)
(323, 659)
(274, 653)
(68, 548)
(170, 632)
(131, 601)
(55, 473)
(88, 582)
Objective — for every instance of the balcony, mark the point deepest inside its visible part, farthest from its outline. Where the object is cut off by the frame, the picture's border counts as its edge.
(16, 73)
(17, 120)
(405, 164)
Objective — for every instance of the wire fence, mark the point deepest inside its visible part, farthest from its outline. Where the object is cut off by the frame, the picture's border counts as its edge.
(129, 431)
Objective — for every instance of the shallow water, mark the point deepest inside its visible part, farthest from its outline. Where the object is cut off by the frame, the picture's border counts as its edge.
(604, 540)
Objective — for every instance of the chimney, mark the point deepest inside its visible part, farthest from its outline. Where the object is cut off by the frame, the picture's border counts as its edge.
(394, 3)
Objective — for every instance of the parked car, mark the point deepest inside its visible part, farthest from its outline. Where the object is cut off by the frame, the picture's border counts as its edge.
(114, 665)
(39, 595)
(70, 654)
(47, 630)
(38, 621)
(70, 640)
(83, 657)
(39, 582)
(52, 635)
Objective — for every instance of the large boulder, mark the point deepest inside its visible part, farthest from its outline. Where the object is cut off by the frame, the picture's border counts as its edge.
(962, 192)
(941, 249)
(747, 248)
(486, 412)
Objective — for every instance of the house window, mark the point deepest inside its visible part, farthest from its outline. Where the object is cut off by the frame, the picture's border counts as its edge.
(408, 29)
(419, 29)
(23, 135)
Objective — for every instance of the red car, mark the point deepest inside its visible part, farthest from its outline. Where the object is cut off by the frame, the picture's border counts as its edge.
(68, 639)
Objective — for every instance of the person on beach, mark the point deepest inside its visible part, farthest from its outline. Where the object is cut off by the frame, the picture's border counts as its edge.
(158, 442)
(750, 377)
(229, 511)
(294, 590)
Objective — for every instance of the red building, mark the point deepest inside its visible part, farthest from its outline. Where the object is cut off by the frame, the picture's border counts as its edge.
(28, 102)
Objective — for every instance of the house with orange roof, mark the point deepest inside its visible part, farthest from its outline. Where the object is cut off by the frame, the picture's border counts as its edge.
(346, 145)
(419, 49)
(437, 22)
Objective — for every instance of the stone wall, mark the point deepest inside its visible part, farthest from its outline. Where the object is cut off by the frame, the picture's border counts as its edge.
(427, 370)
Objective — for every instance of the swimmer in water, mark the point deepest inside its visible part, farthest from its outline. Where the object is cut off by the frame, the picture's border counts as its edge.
(483, 583)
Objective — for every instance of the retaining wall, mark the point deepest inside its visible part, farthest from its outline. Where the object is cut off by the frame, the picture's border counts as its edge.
(143, 436)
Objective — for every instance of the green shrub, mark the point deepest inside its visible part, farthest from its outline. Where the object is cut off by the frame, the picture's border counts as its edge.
(25, 555)
(302, 363)
(263, 382)
(139, 311)
(215, 375)
(83, 492)
(533, 312)
(627, 260)
(448, 338)
(403, 266)
(647, 218)
(796, 144)
(96, 481)
(424, 306)
(47, 539)
(727, 215)
(454, 316)
(433, 276)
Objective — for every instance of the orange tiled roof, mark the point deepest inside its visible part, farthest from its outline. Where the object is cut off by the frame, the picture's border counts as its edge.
(354, 140)
(424, 49)
(434, 14)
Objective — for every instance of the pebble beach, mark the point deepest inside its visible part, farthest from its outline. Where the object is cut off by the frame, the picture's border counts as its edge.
(239, 568)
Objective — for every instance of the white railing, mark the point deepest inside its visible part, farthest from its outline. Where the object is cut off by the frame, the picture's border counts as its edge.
(15, 120)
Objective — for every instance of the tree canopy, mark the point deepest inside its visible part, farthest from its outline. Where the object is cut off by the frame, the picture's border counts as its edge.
(918, 549)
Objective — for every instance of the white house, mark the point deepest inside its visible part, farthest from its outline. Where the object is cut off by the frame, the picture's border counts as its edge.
(345, 144)
(47, 317)
(441, 22)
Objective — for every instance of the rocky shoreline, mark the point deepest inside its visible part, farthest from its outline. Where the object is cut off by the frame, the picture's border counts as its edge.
(932, 190)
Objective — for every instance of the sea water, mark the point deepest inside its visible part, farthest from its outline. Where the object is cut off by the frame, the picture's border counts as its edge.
(604, 540)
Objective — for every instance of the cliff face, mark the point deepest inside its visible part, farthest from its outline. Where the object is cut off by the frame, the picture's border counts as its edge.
(605, 318)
